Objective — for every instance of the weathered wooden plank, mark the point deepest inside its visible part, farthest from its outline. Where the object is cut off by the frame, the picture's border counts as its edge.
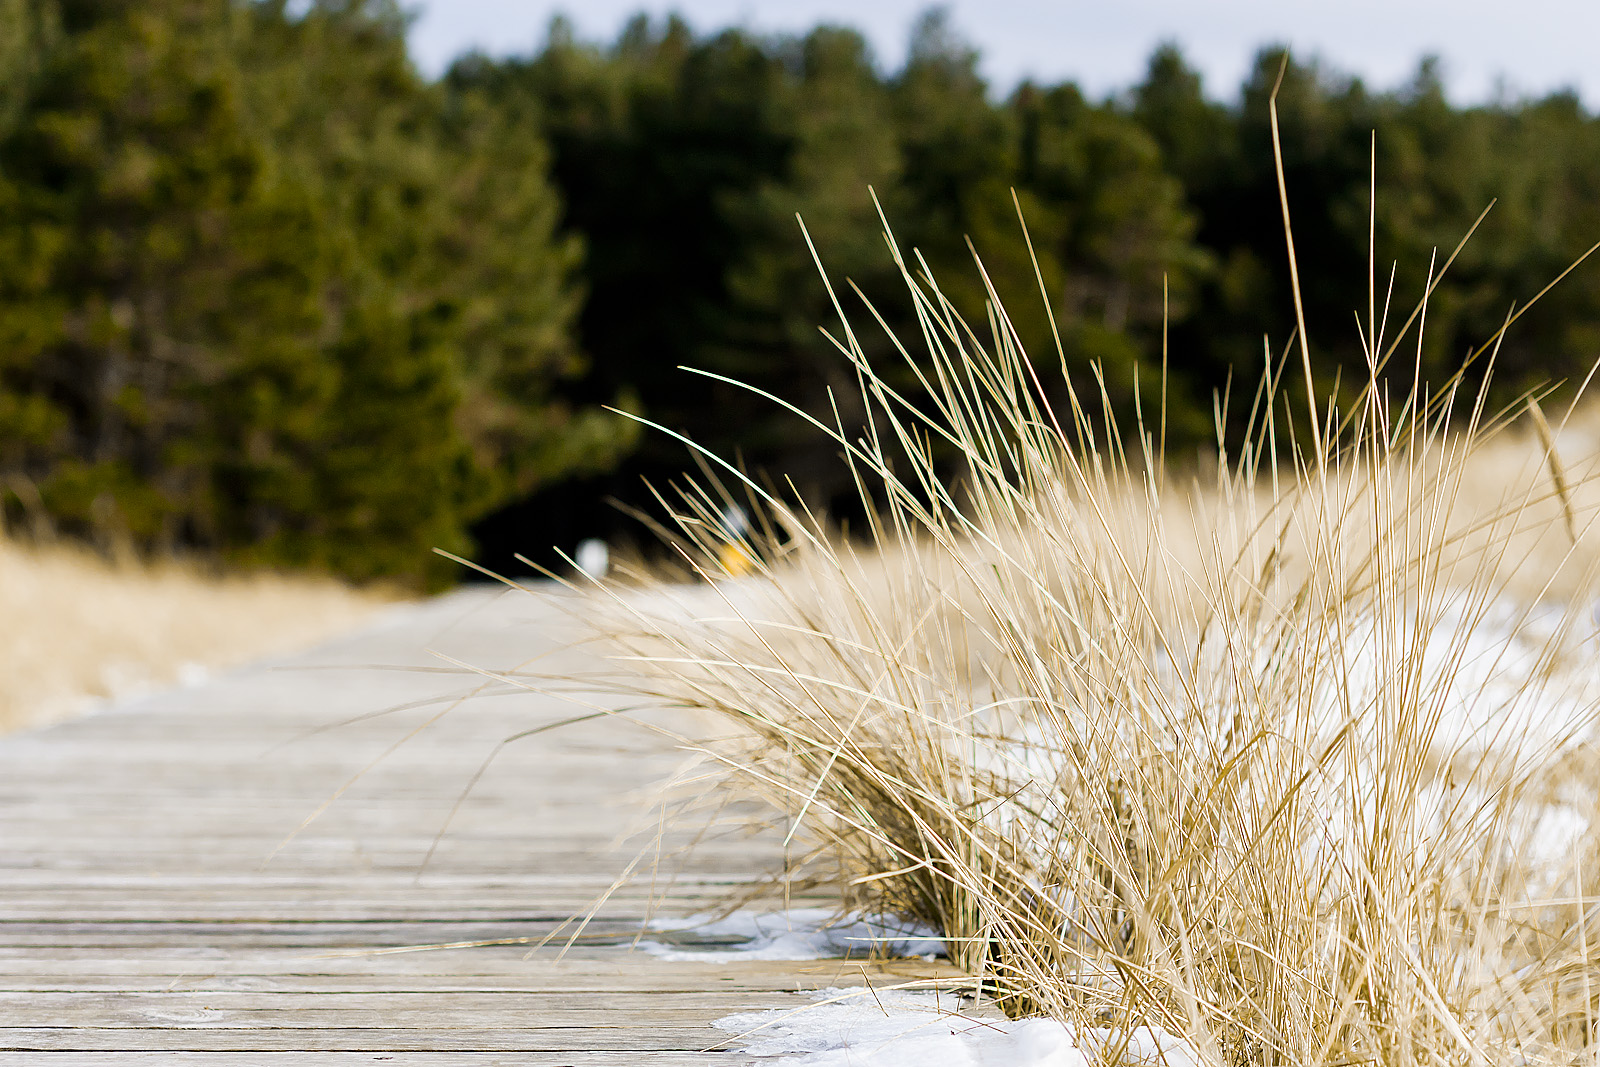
(545, 908)
(542, 1003)
(317, 935)
(666, 978)
(407, 1010)
(388, 1059)
(173, 1039)
(490, 891)
(357, 857)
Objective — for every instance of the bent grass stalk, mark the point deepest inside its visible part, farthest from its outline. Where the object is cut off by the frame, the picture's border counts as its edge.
(1262, 759)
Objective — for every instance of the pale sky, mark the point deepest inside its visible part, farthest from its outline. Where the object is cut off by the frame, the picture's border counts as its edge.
(1532, 46)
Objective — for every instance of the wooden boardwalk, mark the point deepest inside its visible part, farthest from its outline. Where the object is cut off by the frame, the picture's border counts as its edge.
(157, 906)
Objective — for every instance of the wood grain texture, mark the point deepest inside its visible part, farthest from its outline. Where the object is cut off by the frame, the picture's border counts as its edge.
(360, 1059)
(166, 897)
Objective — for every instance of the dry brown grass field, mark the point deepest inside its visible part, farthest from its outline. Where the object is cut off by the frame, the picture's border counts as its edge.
(77, 630)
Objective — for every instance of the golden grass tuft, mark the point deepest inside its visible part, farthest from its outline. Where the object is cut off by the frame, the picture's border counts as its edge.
(79, 629)
(1293, 759)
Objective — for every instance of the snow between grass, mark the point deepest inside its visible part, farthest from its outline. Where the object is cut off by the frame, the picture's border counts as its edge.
(796, 934)
(861, 1027)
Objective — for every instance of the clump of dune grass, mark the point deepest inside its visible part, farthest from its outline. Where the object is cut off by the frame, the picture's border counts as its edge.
(81, 629)
(1292, 760)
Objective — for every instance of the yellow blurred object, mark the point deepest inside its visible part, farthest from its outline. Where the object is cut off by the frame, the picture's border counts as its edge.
(736, 560)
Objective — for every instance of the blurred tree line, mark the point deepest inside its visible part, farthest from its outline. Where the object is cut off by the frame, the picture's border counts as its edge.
(269, 294)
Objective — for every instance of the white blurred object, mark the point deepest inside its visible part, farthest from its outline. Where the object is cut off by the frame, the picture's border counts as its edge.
(735, 520)
(593, 558)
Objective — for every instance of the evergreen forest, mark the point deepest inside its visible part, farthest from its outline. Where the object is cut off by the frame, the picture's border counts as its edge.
(270, 296)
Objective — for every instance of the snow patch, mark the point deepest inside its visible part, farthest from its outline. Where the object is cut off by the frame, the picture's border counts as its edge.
(893, 1028)
(796, 934)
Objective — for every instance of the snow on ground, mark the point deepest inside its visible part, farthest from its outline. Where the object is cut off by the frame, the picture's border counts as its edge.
(863, 1027)
(796, 934)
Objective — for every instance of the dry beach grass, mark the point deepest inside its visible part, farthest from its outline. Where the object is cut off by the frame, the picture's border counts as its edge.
(1293, 760)
(78, 629)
